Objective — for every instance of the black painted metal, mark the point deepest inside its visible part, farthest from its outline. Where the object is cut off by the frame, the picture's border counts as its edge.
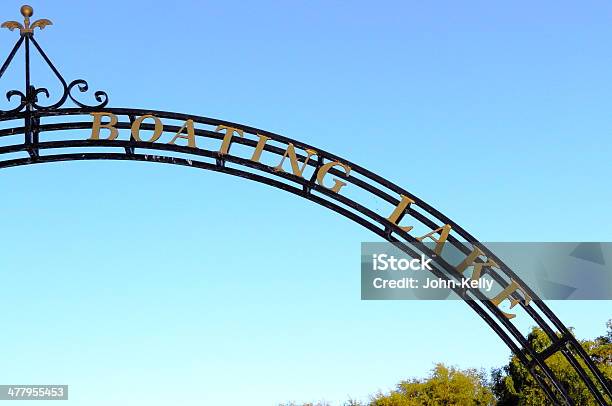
(40, 150)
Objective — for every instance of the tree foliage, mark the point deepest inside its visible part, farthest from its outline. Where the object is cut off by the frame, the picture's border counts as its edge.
(445, 386)
(511, 385)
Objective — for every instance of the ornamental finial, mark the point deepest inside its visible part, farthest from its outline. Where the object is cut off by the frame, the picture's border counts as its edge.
(26, 28)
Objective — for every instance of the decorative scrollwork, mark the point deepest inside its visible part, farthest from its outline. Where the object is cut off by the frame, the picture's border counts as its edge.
(22, 101)
(82, 87)
(100, 96)
(30, 99)
(33, 98)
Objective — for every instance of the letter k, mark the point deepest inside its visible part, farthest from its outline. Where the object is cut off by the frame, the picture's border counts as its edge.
(425, 263)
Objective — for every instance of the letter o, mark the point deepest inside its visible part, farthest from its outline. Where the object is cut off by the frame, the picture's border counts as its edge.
(403, 264)
(159, 128)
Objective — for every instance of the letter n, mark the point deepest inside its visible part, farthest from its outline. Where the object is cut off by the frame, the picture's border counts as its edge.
(295, 167)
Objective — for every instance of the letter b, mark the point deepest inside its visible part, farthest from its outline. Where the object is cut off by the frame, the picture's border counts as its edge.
(97, 125)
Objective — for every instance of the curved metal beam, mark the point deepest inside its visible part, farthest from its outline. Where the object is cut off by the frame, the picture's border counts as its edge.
(374, 185)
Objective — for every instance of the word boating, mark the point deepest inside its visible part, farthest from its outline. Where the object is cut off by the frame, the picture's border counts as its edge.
(186, 135)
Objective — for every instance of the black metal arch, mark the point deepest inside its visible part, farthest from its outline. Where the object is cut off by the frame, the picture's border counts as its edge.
(47, 136)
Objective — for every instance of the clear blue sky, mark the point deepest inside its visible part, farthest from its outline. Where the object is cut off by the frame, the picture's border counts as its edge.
(148, 284)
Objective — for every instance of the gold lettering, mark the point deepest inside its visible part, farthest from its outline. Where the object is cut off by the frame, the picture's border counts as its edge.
(399, 212)
(295, 167)
(190, 137)
(259, 147)
(506, 293)
(338, 184)
(159, 127)
(444, 232)
(97, 125)
(470, 260)
(227, 139)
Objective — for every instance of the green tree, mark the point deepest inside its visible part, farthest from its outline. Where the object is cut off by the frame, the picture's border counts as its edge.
(349, 402)
(446, 386)
(513, 385)
(305, 404)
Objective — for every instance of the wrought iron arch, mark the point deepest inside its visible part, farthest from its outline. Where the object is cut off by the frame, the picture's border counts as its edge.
(38, 132)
